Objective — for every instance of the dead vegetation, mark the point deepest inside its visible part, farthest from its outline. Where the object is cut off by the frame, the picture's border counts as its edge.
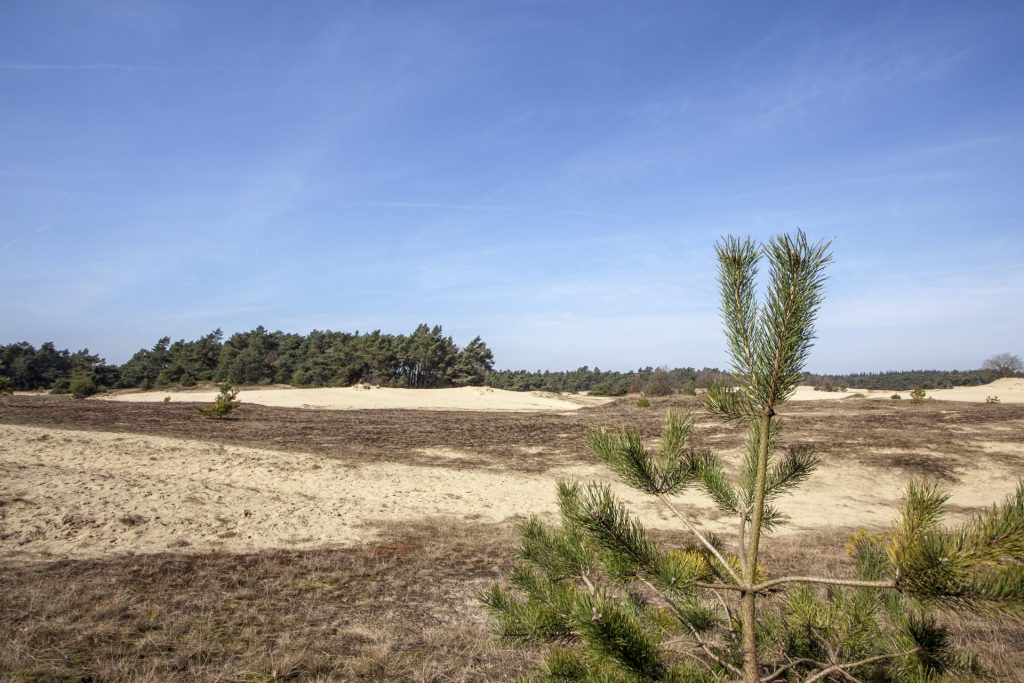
(537, 442)
(402, 608)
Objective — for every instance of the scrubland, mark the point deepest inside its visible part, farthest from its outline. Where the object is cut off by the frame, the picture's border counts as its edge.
(139, 541)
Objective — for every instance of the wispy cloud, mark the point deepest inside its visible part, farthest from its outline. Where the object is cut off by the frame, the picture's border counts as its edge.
(479, 207)
(151, 68)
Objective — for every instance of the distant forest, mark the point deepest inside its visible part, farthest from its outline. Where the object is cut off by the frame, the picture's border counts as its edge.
(425, 358)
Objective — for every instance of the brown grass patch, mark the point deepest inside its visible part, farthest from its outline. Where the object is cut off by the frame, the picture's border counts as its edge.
(402, 611)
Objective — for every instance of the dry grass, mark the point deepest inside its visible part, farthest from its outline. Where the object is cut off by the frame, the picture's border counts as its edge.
(932, 438)
(401, 611)
(404, 608)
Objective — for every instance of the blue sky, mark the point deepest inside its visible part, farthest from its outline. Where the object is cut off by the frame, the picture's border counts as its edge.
(549, 175)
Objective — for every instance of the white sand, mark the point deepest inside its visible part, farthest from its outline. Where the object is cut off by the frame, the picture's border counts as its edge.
(364, 397)
(1007, 390)
(66, 493)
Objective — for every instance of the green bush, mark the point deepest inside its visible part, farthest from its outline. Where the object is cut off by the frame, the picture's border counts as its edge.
(643, 402)
(83, 384)
(917, 395)
(226, 401)
(61, 385)
(5, 385)
(991, 399)
(896, 397)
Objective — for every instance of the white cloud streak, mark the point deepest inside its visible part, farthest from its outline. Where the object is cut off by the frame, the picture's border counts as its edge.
(150, 68)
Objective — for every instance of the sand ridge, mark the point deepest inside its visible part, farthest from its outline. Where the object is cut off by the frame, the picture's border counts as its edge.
(370, 397)
(1007, 390)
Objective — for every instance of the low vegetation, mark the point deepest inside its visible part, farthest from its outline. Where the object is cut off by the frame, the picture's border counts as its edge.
(83, 383)
(225, 402)
(401, 608)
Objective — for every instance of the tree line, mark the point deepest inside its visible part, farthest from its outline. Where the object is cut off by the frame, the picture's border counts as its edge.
(904, 380)
(650, 381)
(426, 358)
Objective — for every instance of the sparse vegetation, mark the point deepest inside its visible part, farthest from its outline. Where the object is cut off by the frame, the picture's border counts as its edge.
(83, 383)
(386, 614)
(917, 395)
(896, 397)
(613, 605)
(991, 399)
(643, 402)
(225, 402)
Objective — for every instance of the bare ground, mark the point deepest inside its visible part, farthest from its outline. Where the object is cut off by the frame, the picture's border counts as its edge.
(397, 601)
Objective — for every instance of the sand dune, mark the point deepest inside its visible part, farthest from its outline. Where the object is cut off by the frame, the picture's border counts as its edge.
(364, 397)
(1007, 390)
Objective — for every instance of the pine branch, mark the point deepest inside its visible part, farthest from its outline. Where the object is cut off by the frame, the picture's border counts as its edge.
(614, 633)
(794, 469)
(863, 662)
(559, 553)
(784, 668)
(624, 452)
(704, 541)
(826, 581)
(737, 275)
(711, 477)
(684, 618)
(978, 567)
(794, 295)
(728, 403)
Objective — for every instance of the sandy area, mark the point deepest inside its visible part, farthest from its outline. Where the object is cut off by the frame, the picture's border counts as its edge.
(86, 494)
(1007, 390)
(365, 397)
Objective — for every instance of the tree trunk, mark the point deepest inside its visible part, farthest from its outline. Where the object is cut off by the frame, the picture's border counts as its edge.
(748, 599)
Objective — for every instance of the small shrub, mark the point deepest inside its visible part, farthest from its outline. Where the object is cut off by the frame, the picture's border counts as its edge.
(896, 397)
(167, 399)
(643, 402)
(61, 385)
(991, 399)
(83, 384)
(5, 385)
(226, 401)
(917, 395)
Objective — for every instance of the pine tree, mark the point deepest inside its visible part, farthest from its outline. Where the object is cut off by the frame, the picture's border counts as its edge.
(225, 402)
(610, 604)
